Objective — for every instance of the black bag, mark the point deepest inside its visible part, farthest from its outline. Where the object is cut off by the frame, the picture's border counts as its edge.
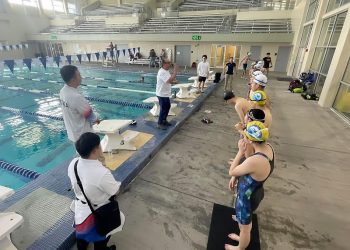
(294, 84)
(107, 217)
(256, 197)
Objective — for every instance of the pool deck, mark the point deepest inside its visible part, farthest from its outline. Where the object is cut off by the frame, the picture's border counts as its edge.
(306, 204)
(169, 204)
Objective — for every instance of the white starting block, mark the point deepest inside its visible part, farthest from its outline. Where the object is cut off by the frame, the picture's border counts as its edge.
(195, 79)
(184, 90)
(5, 192)
(156, 108)
(9, 222)
(113, 139)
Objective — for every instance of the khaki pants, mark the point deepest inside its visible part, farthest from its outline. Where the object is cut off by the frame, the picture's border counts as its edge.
(228, 82)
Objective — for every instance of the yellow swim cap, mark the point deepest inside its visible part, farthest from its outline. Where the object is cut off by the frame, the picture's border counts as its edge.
(256, 131)
(258, 97)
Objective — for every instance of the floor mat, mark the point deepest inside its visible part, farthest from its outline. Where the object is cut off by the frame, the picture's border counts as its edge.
(222, 225)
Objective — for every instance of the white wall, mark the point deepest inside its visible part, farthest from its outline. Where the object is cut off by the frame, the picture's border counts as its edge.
(15, 27)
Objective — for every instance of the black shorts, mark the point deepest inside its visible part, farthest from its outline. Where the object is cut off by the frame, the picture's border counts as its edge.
(245, 65)
(202, 79)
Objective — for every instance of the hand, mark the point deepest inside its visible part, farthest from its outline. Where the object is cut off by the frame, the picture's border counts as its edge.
(230, 161)
(242, 146)
(232, 183)
(240, 126)
(98, 121)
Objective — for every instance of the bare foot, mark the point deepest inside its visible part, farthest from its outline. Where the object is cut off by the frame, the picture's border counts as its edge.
(234, 237)
(230, 247)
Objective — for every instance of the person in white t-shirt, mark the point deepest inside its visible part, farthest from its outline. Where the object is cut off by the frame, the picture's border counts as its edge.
(203, 72)
(163, 92)
(99, 186)
(78, 115)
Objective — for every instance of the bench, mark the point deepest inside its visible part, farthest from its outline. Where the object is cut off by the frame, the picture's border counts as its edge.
(156, 108)
(113, 139)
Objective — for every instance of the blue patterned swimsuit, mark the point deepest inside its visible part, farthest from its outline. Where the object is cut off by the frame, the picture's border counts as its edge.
(245, 188)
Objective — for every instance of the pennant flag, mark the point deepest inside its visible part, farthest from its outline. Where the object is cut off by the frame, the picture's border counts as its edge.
(12, 47)
(124, 52)
(26, 45)
(43, 61)
(20, 46)
(138, 49)
(17, 46)
(89, 56)
(1, 47)
(28, 62)
(118, 53)
(1, 67)
(7, 47)
(19, 63)
(105, 54)
(57, 60)
(10, 64)
(79, 58)
(69, 59)
(97, 54)
(49, 61)
(134, 49)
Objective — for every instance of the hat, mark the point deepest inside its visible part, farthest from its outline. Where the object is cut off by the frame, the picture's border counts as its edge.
(256, 115)
(259, 97)
(256, 131)
(228, 95)
(258, 66)
(260, 79)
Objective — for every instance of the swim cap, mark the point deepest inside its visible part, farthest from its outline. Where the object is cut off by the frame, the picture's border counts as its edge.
(249, 53)
(253, 63)
(258, 66)
(228, 95)
(256, 131)
(256, 115)
(258, 72)
(260, 79)
(258, 97)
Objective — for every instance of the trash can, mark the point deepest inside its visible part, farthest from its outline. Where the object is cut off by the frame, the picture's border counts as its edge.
(217, 77)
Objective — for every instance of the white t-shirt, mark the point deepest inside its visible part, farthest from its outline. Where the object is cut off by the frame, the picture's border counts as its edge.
(203, 69)
(163, 88)
(98, 183)
(75, 109)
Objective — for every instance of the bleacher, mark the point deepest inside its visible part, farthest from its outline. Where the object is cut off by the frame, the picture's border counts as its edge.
(194, 5)
(57, 29)
(262, 26)
(108, 10)
(188, 24)
(100, 27)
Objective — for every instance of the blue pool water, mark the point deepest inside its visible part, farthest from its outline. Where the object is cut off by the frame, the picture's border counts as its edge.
(40, 143)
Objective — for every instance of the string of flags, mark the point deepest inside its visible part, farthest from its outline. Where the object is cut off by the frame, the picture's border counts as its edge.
(44, 61)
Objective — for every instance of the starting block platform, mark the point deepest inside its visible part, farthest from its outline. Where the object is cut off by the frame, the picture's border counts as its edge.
(184, 90)
(5, 192)
(113, 139)
(156, 108)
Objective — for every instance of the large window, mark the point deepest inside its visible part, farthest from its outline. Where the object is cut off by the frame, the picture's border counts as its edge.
(32, 3)
(333, 4)
(325, 48)
(311, 12)
(342, 100)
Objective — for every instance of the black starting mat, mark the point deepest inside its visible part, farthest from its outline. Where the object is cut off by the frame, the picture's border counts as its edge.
(222, 225)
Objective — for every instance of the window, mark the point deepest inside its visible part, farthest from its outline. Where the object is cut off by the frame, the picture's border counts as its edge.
(305, 36)
(54, 5)
(342, 100)
(32, 3)
(72, 8)
(311, 12)
(333, 4)
(317, 59)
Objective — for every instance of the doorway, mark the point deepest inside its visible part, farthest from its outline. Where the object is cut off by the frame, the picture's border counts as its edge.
(183, 55)
(282, 59)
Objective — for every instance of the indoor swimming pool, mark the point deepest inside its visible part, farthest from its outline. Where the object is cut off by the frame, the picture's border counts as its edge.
(32, 133)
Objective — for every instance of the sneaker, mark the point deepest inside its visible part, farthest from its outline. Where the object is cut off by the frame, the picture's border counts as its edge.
(166, 123)
(162, 127)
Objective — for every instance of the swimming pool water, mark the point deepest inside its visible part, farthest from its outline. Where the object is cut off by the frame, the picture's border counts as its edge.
(40, 143)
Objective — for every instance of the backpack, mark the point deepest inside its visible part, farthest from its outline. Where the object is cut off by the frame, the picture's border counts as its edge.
(298, 90)
(309, 96)
(295, 84)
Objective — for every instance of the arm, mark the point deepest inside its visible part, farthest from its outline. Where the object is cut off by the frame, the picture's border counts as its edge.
(83, 107)
(109, 184)
(173, 76)
(244, 168)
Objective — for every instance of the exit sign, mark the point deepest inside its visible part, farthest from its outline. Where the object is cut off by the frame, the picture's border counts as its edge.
(196, 37)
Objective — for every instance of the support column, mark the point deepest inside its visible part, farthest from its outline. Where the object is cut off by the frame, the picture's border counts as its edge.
(338, 66)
